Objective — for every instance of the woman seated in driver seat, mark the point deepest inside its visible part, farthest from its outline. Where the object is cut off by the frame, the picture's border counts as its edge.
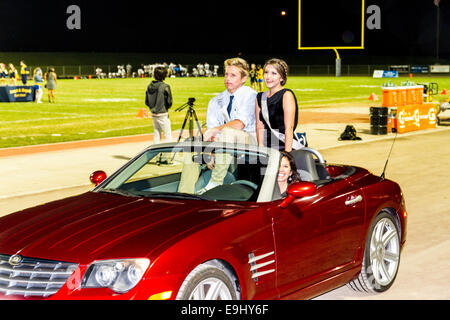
(287, 173)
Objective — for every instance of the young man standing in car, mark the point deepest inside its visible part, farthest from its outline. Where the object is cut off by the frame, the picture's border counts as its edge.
(230, 117)
(233, 107)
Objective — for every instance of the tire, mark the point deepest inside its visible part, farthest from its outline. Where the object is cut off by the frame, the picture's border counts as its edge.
(381, 256)
(209, 281)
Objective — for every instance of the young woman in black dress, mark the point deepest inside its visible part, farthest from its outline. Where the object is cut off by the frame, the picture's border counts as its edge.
(282, 108)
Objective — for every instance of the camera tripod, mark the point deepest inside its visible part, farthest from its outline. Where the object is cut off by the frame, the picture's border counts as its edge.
(191, 115)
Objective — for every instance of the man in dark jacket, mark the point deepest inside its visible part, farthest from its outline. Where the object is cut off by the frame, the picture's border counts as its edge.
(159, 99)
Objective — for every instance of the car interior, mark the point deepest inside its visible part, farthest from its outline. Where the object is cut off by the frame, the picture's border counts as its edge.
(242, 182)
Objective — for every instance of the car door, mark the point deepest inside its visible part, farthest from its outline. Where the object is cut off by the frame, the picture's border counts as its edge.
(318, 236)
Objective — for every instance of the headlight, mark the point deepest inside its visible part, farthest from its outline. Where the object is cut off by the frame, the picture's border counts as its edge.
(118, 275)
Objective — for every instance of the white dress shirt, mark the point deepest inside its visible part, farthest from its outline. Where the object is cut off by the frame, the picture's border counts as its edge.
(242, 108)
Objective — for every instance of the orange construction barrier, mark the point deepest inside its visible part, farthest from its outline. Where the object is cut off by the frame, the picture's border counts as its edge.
(143, 113)
(416, 117)
(444, 92)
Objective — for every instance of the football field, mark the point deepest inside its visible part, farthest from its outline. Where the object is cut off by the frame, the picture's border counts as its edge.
(100, 108)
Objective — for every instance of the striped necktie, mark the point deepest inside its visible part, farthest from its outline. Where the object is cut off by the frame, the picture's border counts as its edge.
(229, 106)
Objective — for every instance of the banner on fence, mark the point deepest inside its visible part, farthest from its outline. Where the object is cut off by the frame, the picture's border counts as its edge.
(17, 93)
(420, 69)
(385, 74)
(400, 68)
(440, 69)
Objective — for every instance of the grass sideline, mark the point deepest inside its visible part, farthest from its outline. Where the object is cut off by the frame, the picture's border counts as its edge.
(90, 109)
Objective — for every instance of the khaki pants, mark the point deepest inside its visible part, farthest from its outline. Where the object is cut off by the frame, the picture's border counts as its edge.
(161, 123)
(223, 160)
(191, 170)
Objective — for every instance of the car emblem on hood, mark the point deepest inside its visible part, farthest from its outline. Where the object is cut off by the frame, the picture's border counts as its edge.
(15, 260)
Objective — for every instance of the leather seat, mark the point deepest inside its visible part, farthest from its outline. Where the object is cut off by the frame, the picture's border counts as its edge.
(306, 166)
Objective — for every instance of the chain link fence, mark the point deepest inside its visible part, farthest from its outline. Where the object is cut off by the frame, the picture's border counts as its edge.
(84, 71)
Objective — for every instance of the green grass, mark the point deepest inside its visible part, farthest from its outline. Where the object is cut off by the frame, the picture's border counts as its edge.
(86, 109)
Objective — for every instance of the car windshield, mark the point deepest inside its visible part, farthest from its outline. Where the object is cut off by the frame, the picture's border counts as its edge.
(191, 173)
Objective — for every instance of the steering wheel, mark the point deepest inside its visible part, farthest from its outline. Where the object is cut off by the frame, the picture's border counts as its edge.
(252, 185)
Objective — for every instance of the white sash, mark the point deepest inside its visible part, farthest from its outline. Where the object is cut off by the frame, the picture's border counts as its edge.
(280, 136)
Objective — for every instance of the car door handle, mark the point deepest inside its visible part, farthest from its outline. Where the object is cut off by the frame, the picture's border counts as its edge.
(353, 201)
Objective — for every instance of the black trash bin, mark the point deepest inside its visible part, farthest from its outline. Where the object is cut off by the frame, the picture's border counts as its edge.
(378, 120)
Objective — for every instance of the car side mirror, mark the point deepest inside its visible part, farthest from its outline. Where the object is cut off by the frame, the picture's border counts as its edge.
(298, 190)
(97, 177)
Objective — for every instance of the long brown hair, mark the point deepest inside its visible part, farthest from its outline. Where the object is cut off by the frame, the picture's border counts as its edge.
(294, 173)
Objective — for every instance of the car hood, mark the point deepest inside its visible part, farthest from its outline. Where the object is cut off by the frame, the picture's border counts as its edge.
(95, 226)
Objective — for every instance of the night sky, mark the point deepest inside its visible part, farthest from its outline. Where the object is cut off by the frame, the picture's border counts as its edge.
(407, 27)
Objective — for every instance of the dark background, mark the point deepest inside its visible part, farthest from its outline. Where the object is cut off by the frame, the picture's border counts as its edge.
(408, 28)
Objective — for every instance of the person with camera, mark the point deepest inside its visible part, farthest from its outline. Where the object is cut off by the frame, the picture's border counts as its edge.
(159, 99)
(230, 117)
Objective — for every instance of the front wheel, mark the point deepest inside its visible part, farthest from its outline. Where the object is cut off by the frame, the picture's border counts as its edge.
(381, 256)
(209, 281)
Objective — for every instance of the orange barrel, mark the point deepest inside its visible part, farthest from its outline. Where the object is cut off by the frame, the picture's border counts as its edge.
(401, 96)
(410, 95)
(389, 98)
(419, 94)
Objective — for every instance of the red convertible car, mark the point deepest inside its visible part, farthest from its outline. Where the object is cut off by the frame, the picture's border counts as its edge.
(136, 236)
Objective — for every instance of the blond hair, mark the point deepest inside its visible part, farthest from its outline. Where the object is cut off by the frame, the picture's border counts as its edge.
(239, 63)
(281, 67)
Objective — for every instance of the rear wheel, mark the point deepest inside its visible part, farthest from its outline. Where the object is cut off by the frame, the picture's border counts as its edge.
(381, 256)
(209, 281)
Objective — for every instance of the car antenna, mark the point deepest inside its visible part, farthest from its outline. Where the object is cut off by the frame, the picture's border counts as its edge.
(387, 160)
